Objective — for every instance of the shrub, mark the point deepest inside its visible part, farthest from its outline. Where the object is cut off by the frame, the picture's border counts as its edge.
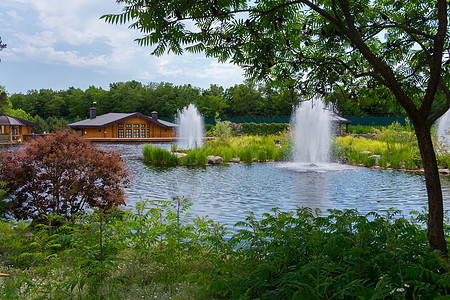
(362, 129)
(62, 174)
(262, 129)
(222, 131)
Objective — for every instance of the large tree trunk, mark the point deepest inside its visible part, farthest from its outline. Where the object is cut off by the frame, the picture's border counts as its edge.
(436, 236)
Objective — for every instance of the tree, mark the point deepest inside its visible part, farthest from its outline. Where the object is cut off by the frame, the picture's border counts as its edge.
(2, 46)
(311, 46)
(212, 102)
(39, 124)
(62, 174)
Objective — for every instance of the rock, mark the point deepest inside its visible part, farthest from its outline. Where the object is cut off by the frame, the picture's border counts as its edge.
(377, 158)
(444, 171)
(366, 152)
(278, 146)
(344, 160)
(215, 160)
(255, 160)
(235, 160)
(178, 154)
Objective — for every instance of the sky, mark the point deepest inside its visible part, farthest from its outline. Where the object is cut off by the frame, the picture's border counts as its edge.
(57, 44)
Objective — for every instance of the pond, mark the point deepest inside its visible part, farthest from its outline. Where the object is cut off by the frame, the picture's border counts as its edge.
(228, 193)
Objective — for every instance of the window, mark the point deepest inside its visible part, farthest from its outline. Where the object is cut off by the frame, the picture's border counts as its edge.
(120, 125)
(148, 125)
(142, 133)
(128, 133)
(142, 125)
(148, 133)
(121, 133)
(136, 133)
(128, 125)
(136, 125)
(99, 130)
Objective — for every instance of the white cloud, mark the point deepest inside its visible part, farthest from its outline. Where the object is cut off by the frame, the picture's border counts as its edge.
(13, 15)
(69, 33)
(220, 71)
(38, 39)
(51, 56)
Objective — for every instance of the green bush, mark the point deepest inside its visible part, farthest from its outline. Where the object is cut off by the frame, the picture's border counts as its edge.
(362, 129)
(262, 129)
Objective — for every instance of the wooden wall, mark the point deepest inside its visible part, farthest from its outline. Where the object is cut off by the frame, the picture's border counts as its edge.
(136, 127)
(26, 129)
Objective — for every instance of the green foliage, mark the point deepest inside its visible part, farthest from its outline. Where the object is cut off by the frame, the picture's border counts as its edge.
(261, 129)
(244, 100)
(222, 130)
(54, 124)
(3, 203)
(40, 125)
(247, 148)
(361, 129)
(2, 46)
(396, 145)
(158, 155)
(340, 255)
(18, 113)
(309, 48)
(161, 251)
(443, 156)
(62, 174)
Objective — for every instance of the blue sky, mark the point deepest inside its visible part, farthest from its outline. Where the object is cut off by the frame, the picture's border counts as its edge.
(62, 43)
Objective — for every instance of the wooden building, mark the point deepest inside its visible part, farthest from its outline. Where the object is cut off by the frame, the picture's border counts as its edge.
(124, 126)
(14, 130)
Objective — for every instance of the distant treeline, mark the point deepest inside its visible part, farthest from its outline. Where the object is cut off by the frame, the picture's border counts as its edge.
(47, 107)
(245, 100)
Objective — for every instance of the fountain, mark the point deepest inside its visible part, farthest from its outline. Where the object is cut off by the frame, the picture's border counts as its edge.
(311, 123)
(443, 129)
(311, 126)
(190, 127)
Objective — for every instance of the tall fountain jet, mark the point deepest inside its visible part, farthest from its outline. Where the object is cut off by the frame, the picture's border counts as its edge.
(311, 123)
(190, 127)
(443, 129)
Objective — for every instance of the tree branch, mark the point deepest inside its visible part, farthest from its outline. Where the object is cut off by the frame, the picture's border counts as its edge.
(436, 60)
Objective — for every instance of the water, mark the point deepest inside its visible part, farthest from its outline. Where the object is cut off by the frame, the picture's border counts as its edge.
(190, 127)
(312, 133)
(444, 127)
(227, 194)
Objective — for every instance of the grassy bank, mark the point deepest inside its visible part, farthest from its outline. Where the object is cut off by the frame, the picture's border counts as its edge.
(159, 252)
(246, 148)
(394, 146)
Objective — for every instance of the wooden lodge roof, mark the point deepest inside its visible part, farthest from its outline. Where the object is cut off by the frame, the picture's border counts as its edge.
(7, 120)
(111, 118)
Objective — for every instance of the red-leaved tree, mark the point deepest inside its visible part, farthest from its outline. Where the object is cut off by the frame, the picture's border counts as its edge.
(62, 174)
